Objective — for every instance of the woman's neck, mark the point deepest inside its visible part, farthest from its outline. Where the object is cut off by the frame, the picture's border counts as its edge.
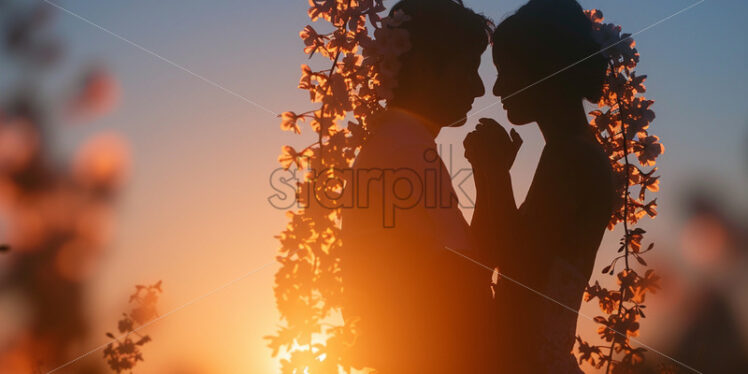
(563, 122)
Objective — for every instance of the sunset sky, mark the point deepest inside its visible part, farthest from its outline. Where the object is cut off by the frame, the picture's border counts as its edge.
(194, 212)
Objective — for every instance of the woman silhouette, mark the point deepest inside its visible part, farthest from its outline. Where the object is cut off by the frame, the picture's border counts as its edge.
(549, 243)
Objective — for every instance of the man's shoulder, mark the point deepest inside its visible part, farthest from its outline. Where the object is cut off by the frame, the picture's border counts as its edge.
(394, 149)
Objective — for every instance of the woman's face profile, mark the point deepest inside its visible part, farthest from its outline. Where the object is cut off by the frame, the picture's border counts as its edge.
(515, 89)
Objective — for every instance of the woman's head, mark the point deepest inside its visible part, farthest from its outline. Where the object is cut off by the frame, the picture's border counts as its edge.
(539, 54)
(438, 77)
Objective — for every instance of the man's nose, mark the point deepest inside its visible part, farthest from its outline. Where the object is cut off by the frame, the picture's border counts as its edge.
(480, 88)
(497, 89)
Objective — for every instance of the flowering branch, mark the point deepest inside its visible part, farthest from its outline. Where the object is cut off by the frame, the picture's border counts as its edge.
(124, 353)
(623, 132)
(308, 285)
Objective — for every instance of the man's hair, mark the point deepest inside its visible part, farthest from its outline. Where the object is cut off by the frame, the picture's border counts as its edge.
(439, 29)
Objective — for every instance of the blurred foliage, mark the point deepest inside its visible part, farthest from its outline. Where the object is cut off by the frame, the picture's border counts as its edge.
(55, 216)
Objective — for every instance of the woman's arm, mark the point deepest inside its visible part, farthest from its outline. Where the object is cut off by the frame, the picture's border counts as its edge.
(491, 151)
(496, 216)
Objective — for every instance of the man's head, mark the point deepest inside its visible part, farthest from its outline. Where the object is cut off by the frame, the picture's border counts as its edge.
(439, 75)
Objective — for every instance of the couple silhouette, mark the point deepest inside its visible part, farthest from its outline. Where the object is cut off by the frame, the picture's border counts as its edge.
(414, 292)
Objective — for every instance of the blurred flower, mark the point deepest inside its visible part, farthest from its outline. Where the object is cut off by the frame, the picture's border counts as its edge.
(97, 94)
(705, 242)
(26, 227)
(19, 143)
(102, 163)
(94, 223)
(18, 357)
(54, 221)
(74, 261)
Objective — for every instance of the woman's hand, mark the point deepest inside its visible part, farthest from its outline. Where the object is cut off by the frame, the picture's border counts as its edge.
(489, 146)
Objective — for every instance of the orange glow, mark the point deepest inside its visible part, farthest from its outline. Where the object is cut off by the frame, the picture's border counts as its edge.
(74, 261)
(18, 144)
(103, 161)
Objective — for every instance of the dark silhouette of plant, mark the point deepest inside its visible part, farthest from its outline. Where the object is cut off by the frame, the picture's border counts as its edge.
(308, 285)
(622, 127)
(124, 353)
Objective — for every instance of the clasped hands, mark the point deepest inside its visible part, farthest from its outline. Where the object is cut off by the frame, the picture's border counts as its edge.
(489, 147)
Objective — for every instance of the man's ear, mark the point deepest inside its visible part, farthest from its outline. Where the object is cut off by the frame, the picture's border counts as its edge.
(425, 68)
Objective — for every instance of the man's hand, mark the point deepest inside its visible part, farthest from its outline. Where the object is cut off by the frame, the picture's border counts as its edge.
(489, 146)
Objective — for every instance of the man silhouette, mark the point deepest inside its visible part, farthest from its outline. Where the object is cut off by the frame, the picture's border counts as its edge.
(415, 306)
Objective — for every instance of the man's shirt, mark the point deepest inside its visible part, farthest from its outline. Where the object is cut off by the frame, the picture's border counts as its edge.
(412, 300)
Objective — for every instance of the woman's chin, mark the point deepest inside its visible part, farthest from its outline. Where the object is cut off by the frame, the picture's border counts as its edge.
(517, 119)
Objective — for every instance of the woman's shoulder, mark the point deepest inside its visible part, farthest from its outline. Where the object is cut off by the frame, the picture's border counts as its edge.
(580, 147)
(579, 151)
(582, 163)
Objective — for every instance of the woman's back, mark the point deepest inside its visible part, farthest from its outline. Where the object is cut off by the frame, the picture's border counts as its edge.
(562, 222)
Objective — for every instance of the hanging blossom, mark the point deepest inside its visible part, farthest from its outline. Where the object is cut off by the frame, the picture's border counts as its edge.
(621, 124)
(357, 75)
